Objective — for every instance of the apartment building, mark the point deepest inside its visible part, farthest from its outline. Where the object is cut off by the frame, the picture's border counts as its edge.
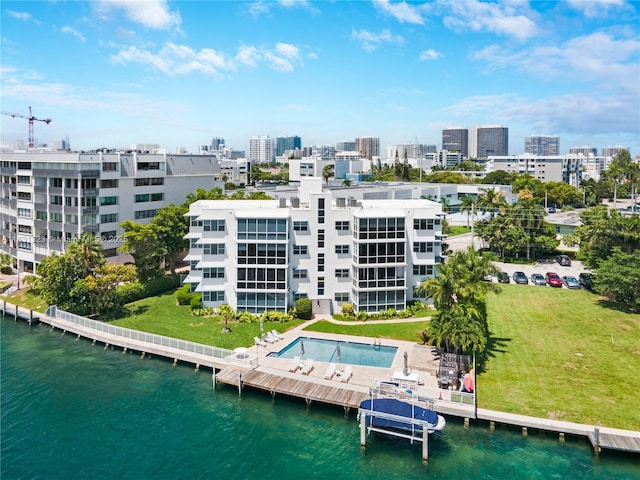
(561, 168)
(48, 198)
(264, 255)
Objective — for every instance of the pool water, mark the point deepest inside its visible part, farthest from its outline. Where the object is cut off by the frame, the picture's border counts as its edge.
(365, 354)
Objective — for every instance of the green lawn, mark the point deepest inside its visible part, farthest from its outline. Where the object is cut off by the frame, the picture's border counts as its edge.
(25, 298)
(559, 354)
(454, 230)
(396, 331)
(162, 316)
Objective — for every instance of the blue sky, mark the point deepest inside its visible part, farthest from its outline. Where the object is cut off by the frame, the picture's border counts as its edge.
(115, 73)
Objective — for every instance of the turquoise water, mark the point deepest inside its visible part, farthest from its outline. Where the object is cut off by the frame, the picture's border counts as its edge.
(72, 410)
(350, 352)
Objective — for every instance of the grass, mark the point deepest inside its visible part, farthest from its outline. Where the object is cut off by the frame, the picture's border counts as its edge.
(26, 298)
(396, 331)
(454, 230)
(161, 315)
(560, 354)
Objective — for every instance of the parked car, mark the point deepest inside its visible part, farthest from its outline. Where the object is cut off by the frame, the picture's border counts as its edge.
(488, 278)
(563, 260)
(538, 279)
(586, 280)
(520, 278)
(570, 282)
(553, 279)
(503, 277)
(551, 210)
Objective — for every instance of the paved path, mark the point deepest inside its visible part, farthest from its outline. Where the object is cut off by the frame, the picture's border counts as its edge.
(368, 322)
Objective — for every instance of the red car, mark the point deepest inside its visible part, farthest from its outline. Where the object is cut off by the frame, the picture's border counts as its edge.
(553, 279)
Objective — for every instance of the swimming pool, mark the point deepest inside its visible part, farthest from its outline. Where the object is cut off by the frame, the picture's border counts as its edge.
(353, 353)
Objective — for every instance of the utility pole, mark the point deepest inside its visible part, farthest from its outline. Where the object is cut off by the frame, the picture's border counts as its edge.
(473, 206)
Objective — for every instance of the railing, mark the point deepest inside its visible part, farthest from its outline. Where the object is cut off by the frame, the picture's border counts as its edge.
(151, 338)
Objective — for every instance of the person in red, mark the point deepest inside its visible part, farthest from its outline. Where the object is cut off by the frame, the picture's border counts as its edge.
(467, 382)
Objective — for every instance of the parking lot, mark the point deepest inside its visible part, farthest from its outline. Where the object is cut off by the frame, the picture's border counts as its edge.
(542, 267)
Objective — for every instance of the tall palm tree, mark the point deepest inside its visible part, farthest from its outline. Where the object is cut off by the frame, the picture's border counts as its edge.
(492, 200)
(86, 250)
(632, 172)
(616, 172)
(467, 205)
(528, 215)
(327, 172)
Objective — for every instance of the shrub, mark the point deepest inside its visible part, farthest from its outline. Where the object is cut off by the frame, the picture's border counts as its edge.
(347, 309)
(130, 292)
(196, 301)
(247, 317)
(184, 295)
(304, 308)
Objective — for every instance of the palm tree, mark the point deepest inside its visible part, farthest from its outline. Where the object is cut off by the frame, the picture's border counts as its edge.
(528, 215)
(492, 200)
(632, 172)
(467, 205)
(87, 251)
(616, 172)
(327, 172)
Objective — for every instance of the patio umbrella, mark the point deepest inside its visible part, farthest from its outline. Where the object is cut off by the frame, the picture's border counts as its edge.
(339, 354)
(406, 364)
(468, 382)
(302, 346)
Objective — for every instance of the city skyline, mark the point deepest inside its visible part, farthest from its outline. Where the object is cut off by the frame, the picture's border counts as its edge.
(112, 74)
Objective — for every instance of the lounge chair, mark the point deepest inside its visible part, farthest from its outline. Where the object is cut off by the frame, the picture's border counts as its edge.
(259, 342)
(270, 338)
(295, 363)
(331, 369)
(346, 375)
(308, 366)
(276, 334)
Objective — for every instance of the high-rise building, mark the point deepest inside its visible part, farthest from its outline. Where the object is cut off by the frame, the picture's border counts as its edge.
(490, 140)
(217, 143)
(556, 168)
(346, 146)
(586, 151)
(543, 145)
(612, 151)
(261, 149)
(260, 255)
(456, 140)
(369, 147)
(287, 143)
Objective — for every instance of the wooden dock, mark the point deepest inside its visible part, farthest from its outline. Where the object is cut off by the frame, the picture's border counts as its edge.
(294, 385)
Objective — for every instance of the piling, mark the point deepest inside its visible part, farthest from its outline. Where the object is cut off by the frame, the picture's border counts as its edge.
(425, 444)
(363, 431)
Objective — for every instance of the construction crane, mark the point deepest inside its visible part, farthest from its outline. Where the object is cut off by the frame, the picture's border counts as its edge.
(31, 119)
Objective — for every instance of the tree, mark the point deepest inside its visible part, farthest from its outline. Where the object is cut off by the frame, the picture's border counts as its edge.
(87, 251)
(499, 177)
(529, 216)
(142, 242)
(58, 274)
(327, 172)
(98, 290)
(303, 307)
(618, 278)
(467, 205)
(561, 194)
(172, 226)
(491, 200)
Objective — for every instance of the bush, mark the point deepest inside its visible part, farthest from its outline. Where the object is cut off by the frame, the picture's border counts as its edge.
(130, 292)
(184, 295)
(196, 301)
(347, 309)
(6, 269)
(304, 308)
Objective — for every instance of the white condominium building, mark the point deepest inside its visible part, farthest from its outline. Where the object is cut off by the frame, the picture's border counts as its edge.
(261, 150)
(561, 168)
(264, 255)
(48, 198)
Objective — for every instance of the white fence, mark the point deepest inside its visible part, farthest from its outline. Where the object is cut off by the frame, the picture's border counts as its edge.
(191, 347)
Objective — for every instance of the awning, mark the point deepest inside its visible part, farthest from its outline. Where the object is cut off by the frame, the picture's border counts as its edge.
(209, 264)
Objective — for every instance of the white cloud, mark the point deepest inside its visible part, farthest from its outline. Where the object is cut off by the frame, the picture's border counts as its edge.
(173, 59)
(599, 8)
(576, 113)
(511, 19)
(23, 16)
(74, 32)
(397, 108)
(256, 9)
(430, 55)
(288, 50)
(248, 56)
(370, 41)
(298, 4)
(313, 56)
(403, 12)
(598, 57)
(154, 14)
